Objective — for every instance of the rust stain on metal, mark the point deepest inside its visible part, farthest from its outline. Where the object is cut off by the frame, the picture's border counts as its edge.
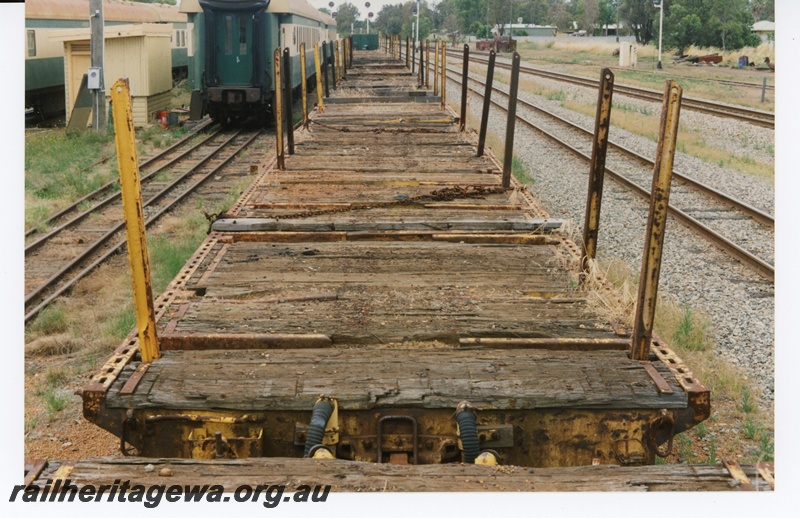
(656, 222)
(661, 383)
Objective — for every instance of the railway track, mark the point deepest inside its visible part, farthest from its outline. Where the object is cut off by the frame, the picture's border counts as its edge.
(698, 206)
(82, 240)
(756, 117)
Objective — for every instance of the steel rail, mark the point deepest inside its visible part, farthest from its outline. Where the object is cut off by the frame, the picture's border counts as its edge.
(763, 218)
(33, 245)
(757, 264)
(100, 190)
(756, 117)
(116, 247)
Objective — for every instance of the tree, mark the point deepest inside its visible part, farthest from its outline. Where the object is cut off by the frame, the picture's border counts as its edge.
(763, 9)
(709, 23)
(586, 13)
(639, 16)
(346, 15)
(607, 15)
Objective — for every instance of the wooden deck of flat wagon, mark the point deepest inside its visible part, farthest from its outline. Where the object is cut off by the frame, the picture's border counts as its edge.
(387, 274)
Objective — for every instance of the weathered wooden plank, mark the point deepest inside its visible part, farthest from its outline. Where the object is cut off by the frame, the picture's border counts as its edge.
(489, 379)
(345, 476)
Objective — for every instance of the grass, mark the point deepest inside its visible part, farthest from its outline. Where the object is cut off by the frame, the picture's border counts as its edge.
(51, 320)
(690, 142)
(691, 333)
(52, 393)
(58, 165)
(118, 326)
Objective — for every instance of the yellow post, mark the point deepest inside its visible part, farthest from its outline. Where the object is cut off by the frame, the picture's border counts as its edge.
(444, 75)
(278, 108)
(303, 86)
(134, 220)
(436, 69)
(318, 69)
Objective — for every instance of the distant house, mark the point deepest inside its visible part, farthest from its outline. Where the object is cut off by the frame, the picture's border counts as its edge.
(765, 29)
(530, 29)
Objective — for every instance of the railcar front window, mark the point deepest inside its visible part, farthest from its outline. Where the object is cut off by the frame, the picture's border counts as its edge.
(242, 36)
(31, 44)
(228, 35)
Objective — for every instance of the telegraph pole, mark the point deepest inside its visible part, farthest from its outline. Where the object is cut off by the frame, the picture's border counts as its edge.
(96, 81)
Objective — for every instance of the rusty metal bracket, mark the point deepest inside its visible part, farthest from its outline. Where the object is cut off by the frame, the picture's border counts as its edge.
(415, 450)
(128, 423)
(664, 422)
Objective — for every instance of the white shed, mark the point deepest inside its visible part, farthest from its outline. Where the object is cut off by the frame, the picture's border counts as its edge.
(139, 52)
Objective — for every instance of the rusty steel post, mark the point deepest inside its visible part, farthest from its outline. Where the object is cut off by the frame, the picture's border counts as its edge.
(408, 48)
(436, 68)
(464, 83)
(413, 58)
(318, 72)
(656, 222)
(350, 49)
(511, 122)
(278, 110)
(597, 169)
(131, 188)
(487, 101)
(444, 76)
(303, 85)
(287, 102)
(325, 68)
(338, 64)
(427, 63)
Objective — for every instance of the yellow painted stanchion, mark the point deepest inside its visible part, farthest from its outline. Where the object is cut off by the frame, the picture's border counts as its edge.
(318, 69)
(444, 76)
(134, 220)
(278, 108)
(303, 86)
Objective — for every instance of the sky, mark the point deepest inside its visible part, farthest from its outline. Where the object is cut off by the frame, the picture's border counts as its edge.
(375, 5)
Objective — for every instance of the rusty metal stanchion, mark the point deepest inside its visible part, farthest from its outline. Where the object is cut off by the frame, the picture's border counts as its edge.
(318, 72)
(303, 85)
(656, 223)
(337, 76)
(464, 84)
(413, 58)
(487, 101)
(427, 63)
(508, 157)
(278, 109)
(444, 76)
(597, 169)
(131, 188)
(436, 68)
(325, 68)
(287, 85)
(408, 47)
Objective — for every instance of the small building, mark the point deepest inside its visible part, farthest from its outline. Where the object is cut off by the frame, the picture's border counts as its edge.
(141, 53)
(765, 29)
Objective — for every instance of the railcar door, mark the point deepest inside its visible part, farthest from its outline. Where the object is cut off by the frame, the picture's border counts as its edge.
(234, 50)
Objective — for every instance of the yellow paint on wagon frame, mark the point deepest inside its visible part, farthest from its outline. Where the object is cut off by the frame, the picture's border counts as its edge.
(134, 220)
(318, 68)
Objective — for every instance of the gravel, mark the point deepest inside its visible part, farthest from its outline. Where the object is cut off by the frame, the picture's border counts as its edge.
(738, 302)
